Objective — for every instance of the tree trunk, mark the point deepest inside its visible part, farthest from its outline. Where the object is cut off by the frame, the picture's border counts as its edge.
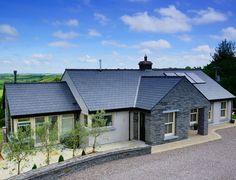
(48, 158)
(18, 168)
(94, 144)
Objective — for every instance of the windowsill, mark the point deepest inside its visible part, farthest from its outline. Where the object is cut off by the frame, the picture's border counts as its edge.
(192, 123)
(108, 128)
(166, 138)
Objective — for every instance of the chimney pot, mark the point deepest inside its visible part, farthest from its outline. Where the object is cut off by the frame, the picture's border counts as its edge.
(15, 76)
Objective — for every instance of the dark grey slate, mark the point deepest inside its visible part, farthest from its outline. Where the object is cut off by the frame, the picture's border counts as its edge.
(115, 89)
(153, 89)
(38, 98)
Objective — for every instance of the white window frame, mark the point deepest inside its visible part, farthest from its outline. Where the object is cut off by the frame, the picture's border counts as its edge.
(210, 113)
(172, 123)
(23, 121)
(194, 113)
(223, 109)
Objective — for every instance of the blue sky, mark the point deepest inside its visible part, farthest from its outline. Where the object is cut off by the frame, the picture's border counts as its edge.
(48, 36)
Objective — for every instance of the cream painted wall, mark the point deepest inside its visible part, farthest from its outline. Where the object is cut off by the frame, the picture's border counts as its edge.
(216, 112)
(118, 132)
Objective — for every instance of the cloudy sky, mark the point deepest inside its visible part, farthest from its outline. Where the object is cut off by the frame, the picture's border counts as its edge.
(49, 36)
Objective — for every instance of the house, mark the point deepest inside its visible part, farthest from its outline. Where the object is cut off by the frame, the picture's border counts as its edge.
(152, 105)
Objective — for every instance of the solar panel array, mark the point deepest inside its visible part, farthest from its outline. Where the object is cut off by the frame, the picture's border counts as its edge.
(192, 77)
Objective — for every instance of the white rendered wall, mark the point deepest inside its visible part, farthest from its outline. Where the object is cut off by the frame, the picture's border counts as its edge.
(217, 119)
(118, 132)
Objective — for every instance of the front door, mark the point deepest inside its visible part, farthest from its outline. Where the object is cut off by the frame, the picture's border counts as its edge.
(142, 126)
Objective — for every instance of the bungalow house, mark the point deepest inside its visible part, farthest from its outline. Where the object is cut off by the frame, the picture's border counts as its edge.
(152, 105)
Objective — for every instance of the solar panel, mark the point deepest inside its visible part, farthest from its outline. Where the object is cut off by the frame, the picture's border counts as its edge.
(183, 74)
(196, 78)
(170, 74)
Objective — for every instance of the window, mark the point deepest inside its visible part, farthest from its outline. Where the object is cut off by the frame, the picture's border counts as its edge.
(86, 120)
(23, 124)
(194, 116)
(210, 114)
(39, 121)
(53, 124)
(223, 109)
(67, 123)
(108, 119)
(170, 124)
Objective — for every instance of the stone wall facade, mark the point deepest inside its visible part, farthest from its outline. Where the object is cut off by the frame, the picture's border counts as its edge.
(57, 170)
(181, 99)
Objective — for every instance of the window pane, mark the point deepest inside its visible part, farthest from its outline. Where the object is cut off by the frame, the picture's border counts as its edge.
(67, 124)
(171, 117)
(222, 113)
(38, 122)
(85, 120)
(108, 120)
(53, 125)
(223, 105)
(167, 118)
(168, 128)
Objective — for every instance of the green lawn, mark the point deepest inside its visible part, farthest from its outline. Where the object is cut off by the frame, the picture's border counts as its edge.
(1, 92)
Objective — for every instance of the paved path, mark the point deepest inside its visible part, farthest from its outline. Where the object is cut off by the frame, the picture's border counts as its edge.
(211, 161)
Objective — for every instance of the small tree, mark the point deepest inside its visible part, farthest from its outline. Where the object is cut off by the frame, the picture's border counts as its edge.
(19, 147)
(61, 158)
(77, 137)
(98, 122)
(48, 136)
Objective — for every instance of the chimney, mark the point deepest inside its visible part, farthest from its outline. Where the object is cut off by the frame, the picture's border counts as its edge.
(100, 64)
(15, 76)
(145, 64)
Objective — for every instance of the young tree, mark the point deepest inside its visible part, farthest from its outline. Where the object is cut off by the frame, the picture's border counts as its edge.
(19, 147)
(77, 137)
(98, 122)
(48, 136)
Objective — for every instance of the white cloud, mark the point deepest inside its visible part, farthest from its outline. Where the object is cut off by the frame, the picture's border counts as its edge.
(144, 46)
(62, 44)
(6, 29)
(160, 44)
(65, 35)
(185, 38)
(41, 56)
(94, 33)
(87, 59)
(38, 59)
(101, 18)
(209, 15)
(226, 33)
(203, 49)
(113, 43)
(69, 22)
(171, 20)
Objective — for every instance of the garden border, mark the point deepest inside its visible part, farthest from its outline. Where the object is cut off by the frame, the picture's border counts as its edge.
(57, 170)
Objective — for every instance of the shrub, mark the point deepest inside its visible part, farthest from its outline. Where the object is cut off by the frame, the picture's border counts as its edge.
(34, 166)
(66, 141)
(61, 158)
(232, 121)
(83, 153)
(195, 126)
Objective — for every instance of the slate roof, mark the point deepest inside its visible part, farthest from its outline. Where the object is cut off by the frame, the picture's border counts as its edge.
(39, 98)
(117, 89)
(153, 89)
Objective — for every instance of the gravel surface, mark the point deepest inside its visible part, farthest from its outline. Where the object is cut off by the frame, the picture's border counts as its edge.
(214, 160)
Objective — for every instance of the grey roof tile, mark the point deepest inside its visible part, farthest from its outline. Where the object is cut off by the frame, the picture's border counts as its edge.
(38, 98)
(114, 89)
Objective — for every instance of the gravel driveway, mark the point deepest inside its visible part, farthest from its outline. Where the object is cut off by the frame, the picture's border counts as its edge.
(214, 160)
